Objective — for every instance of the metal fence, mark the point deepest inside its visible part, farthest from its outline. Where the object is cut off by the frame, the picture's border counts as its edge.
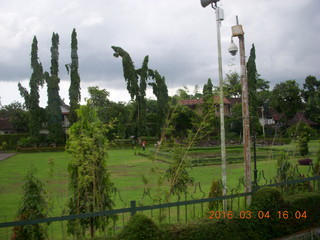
(172, 212)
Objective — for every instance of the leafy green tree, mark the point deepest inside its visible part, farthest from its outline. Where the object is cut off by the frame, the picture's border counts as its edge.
(160, 90)
(136, 80)
(207, 93)
(110, 112)
(183, 93)
(177, 173)
(303, 143)
(89, 179)
(181, 120)
(72, 68)
(32, 206)
(17, 114)
(235, 120)
(56, 133)
(286, 98)
(311, 96)
(196, 92)
(233, 85)
(118, 113)
(252, 76)
(32, 98)
(257, 87)
(99, 100)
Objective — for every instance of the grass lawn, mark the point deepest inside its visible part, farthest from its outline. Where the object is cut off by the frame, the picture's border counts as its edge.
(126, 170)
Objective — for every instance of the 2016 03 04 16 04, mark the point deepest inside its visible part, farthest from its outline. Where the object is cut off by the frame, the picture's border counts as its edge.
(257, 215)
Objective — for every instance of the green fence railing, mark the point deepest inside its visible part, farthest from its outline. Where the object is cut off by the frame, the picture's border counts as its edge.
(133, 209)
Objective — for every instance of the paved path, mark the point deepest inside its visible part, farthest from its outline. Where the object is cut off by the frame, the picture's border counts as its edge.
(4, 156)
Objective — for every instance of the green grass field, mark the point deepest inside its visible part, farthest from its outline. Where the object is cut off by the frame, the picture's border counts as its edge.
(126, 170)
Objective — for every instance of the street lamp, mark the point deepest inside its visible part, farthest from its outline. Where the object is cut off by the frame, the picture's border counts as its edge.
(219, 18)
(237, 31)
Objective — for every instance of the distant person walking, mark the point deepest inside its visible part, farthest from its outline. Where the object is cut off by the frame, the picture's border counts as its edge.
(143, 144)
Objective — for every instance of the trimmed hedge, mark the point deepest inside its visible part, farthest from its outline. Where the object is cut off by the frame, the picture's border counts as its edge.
(265, 199)
(12, 139)
(41, 149)
(140, 227)
(127, 143)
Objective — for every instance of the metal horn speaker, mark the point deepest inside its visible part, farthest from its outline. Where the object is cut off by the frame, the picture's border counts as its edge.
(205, 3)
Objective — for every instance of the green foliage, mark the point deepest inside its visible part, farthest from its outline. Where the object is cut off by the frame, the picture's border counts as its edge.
(140, 227)
(160, 90)
(33, 206)
(316, 167)
(308, 202)
(235, 120)
(284, 168)
(12, 139)
(207, 97)
(17, 115)
(99, 100)
(177, 173)
(32, 98)
(233, 85)
(136, 84)
(54, 112)
(252, 76)
(300, 128)
(266, 199)
(40, 149)
(74, 89)
(286, 98)
(90, 182)
(311, 96)
(4, 145)
(303, 144)
(215, 191)
(181, 119)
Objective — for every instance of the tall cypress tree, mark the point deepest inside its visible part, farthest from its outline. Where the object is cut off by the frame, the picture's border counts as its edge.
(90, 183)
(136, 84)
(252, 81)
(160, 90)
(32, 98)
(54, 101)
(72, 68)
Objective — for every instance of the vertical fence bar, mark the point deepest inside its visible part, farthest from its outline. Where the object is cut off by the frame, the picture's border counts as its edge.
(178, 213)
(201, 209)
(186, 210)
(133, 207)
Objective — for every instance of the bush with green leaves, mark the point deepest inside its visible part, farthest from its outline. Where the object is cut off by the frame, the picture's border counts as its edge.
(33, 206)
(89, 179)
(140, 227)
(303, 144)
(215, 191)
(4, 145)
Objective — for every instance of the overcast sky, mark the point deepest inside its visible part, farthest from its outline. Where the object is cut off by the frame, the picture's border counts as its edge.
(178, 35)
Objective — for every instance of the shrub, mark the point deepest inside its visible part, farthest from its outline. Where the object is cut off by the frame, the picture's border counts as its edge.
(306, 161)
(299, 204)
(266, 199)
(215, 191)
(33, 205)
(12, 139)
(140, 227)
(303, 144)
(4, 145)
(41, 149)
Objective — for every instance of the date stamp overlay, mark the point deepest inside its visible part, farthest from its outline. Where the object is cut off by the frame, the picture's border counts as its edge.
(258, 215)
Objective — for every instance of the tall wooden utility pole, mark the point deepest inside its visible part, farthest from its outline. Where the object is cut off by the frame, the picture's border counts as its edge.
(237, 31)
